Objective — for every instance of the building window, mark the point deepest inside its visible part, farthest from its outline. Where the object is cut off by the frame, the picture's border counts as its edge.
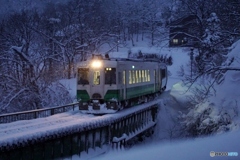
(175, 41)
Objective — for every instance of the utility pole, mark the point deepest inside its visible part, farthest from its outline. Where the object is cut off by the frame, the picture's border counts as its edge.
(191, 58)
(117, 45)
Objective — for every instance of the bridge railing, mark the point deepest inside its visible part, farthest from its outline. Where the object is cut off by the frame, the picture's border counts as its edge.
(38, 113)
(86, 139)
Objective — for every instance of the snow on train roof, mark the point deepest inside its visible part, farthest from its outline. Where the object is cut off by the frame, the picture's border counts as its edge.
(118, 55)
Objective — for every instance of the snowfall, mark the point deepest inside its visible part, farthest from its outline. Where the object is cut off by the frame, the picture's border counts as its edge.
(163, 144)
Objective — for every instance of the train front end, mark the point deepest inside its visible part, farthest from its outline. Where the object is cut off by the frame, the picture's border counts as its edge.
(97, 90)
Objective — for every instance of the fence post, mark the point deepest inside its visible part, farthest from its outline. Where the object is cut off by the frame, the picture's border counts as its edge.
(52, 111)
(35, 115)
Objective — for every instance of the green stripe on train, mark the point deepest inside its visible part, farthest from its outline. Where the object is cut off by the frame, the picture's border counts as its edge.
(112, 94)
(140, 90)
(130, 92)
(83, 95)
(118, 93)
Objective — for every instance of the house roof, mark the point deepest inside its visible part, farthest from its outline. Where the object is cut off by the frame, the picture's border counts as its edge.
(183, 21)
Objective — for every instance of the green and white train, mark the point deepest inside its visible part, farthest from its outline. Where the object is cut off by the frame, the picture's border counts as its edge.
(107, 85)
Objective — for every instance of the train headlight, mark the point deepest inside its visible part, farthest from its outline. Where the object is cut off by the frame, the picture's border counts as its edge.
(96, 64)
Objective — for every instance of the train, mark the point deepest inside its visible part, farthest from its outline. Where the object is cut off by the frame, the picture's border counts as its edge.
(107, 85)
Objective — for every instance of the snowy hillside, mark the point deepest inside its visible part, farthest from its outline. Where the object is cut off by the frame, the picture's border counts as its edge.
(198, 149)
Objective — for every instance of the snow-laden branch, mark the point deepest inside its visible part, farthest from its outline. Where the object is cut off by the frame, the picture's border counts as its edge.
(22, 55)
(11, 98)
(45, 35)
(9, 77)
(213, 69)
(221, 68)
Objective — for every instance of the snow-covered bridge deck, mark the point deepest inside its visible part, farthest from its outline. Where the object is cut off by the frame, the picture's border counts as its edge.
(80, 131)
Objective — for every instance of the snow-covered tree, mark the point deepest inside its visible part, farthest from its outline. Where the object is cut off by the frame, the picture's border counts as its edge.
(23, 78)
(206, 119)
(212, 36)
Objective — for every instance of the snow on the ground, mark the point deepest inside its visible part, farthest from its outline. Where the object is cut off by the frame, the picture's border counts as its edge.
(70, 85)
(197, 149)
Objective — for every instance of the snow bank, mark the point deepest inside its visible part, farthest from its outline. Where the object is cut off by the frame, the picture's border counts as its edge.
(71, 86)
(198, 149)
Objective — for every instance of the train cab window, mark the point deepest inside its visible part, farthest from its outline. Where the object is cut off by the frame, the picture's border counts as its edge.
(96, 77)
(83, 76)
(110, 76)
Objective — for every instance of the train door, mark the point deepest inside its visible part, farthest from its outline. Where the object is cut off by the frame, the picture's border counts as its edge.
(97, 84)
(124, 84)
(163, 78)
(155, 80)
(160, 79)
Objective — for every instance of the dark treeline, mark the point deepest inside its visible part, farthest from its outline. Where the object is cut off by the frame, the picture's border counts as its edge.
(39, 48)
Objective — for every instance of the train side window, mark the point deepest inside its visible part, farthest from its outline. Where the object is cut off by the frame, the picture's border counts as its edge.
(148, 75)
(96, 77)
(83, 75)
(145, 76)
(143, 79)
(124, 77)
(139, 76)
(136, 76)
(130, 77)
(133, 76)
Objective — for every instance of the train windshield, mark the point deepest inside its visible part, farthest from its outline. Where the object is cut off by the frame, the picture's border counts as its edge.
(96, 77)
(110, 76)
(83, 76)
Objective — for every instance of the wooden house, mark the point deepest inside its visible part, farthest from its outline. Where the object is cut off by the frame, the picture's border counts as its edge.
(181, 31)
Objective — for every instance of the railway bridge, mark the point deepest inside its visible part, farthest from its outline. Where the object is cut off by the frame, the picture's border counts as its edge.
(62, 136)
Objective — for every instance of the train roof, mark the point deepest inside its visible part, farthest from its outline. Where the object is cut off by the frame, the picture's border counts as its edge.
(107, 58)
(115, 59)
